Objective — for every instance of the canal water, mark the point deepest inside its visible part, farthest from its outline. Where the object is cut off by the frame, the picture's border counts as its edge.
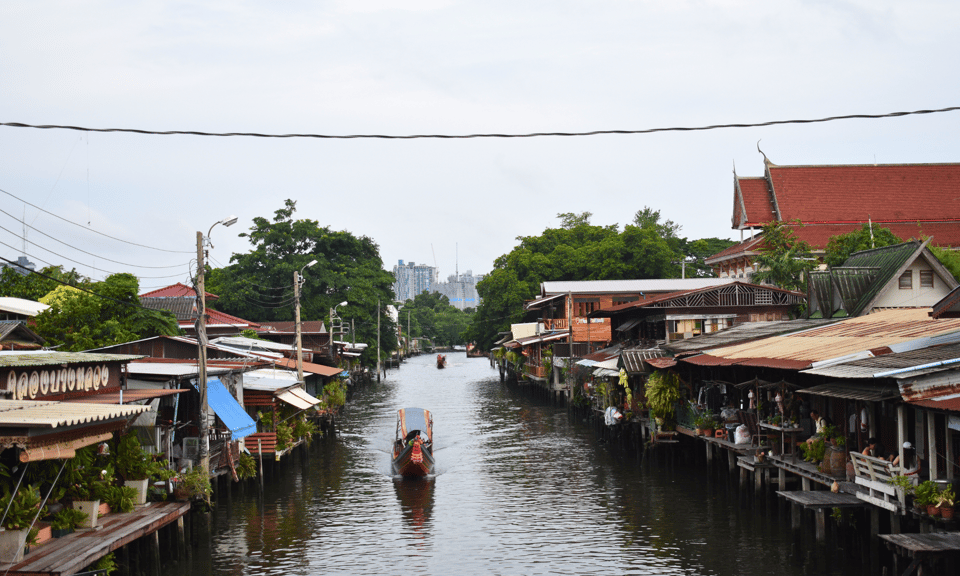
(522, 487)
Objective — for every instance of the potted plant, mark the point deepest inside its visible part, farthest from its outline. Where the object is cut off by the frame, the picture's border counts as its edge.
(904, 486)
(22, 509)
(193, 485)
(133, 465)
(246, 466)
(85, 483)
(945, 501)
(925, 496)
(66, 521)
(700, 423)
(663, 391)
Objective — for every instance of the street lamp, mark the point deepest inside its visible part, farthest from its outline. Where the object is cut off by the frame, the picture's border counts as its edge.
(333, 314)
(297, 282)
(201, 326)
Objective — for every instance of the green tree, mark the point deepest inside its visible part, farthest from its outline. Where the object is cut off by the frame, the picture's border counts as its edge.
(101, 314)
(949, 258)
(432, 316)
(784, 260)
(35, 286)
(258, 285)
(839, 248)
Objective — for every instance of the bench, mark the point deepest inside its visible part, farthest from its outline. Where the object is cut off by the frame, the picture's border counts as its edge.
(875, 474)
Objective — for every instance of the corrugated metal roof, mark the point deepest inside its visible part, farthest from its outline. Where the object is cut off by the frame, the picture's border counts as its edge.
(48, 358)
(880, 366)
(874, 392)
(128, 396)
(746, 332)
(540, 302)
(634, 358)
(950, 403)
(43, 414)
(629, 286)
(801, 349)
(169, 369)
(662, 363)
(309, 367)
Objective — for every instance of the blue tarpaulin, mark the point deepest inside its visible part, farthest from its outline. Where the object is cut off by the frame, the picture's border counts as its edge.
(229, 410)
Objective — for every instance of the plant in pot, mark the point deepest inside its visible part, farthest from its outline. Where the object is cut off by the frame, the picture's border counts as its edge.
(66, 521)
(85, 483)
(193, 485)
(22, 509)
(246, 466)
(133, 465)
(925, 496)
(904, 486)
(663, 391)
(945, 502)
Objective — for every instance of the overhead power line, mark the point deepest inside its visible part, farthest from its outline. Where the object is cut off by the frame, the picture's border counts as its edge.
(91, 229)
(481, 135)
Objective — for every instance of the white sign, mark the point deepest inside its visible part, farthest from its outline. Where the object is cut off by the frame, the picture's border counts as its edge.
(30, 385)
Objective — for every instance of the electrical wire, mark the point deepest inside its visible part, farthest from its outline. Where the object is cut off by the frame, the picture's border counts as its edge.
(71, 259)
(74, 247)
(91, 229)
(488, 135)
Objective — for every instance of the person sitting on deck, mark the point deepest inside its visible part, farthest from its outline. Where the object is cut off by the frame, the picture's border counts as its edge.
(911, 461)
(820, 422)
(876, 449)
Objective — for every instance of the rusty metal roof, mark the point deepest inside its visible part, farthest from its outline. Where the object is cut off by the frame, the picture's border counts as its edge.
(47, 358)
(664, 362)
(800, 350)
(634, 358)
(869, 391)
(949, 403)
(895, 365)
(746, 332)
(40, 414)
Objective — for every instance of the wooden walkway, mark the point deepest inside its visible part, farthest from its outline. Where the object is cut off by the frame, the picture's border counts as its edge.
(923, 548)
(74, 552)
(819, 501)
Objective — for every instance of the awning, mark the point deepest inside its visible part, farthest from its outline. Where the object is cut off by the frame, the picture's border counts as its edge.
(309, 367)
(605, 373)
(229, 410)
(299, 398)
(62, 450)
(629, 324)
(854, 391)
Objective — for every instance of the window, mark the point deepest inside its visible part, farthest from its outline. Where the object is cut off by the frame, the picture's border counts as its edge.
(926, 278)
(906, 280)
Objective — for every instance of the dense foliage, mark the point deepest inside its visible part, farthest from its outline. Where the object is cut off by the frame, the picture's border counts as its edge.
(577, 250)
(839, 248)
(258, 285)
(84, 314)
(431, 315)
(784, 260)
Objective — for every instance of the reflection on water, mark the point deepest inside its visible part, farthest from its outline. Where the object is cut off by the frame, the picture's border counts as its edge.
(520, 488)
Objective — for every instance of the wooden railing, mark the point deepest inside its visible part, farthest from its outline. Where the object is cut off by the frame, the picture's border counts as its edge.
(538, 371)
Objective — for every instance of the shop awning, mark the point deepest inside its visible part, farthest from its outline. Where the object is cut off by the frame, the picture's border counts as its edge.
(299, 398)
(229, 410)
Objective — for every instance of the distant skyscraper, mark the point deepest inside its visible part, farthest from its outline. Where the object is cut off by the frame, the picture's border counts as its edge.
(461, 291)
(22, 266)
(412, 279)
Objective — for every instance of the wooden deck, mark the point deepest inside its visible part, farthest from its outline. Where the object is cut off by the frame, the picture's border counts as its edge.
(815, 499)
(74, 552)
(923, 548)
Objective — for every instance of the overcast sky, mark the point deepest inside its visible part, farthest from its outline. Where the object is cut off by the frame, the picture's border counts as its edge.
(440, 67)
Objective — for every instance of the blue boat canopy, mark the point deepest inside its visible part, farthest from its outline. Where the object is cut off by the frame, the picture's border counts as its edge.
(229, 410)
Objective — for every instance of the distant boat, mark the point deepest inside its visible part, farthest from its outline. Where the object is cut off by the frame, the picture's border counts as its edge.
(413, 448)
(441, 361)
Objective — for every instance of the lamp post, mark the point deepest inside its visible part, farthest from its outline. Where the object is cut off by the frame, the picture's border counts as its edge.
(201, 326)
(297, 282)
(333, 314)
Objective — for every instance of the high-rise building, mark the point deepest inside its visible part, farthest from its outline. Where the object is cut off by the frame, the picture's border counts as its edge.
(462, 290)
(412, 279)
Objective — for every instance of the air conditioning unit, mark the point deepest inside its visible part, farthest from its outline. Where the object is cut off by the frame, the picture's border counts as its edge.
(191, 448)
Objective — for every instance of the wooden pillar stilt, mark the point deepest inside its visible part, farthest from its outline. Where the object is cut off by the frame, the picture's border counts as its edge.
(709, 452)
(731, 460)
(758, 480)
(152, 549)
(805, 484)
(796, 515)
(782, 479)
(821, 516)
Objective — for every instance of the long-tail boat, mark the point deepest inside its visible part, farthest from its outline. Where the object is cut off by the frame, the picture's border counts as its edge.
(413, 449)
(441, 361)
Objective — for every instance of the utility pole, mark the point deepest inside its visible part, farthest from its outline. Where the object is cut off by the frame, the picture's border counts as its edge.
(201, 326)
(378, 340)
(409, 340)
(296, 298)
(569, 345)
(202, 355)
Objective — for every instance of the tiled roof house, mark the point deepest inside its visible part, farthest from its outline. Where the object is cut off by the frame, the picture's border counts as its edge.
(912, 200)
